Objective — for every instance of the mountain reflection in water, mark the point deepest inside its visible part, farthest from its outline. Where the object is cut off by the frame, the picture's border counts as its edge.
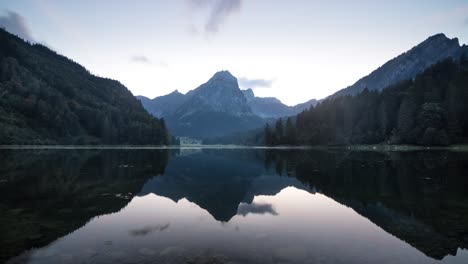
(234, 206)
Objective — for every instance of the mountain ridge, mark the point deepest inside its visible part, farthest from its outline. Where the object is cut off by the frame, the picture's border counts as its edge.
(271, 107)
(220, 93)
(46, 98)
(215, 108)
(406, 65)
(264, 107)
(162, 105)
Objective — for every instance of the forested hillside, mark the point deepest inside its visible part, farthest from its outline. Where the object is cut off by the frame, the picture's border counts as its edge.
(407, 65)
(46, 98)
(432, 109)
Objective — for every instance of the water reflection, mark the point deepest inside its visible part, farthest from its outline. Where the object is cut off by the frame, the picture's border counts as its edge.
(237, 206)
(218, 180)
(45, 194)
(419, 197)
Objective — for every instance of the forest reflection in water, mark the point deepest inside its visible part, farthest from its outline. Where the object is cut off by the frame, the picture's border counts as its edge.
(233, 205)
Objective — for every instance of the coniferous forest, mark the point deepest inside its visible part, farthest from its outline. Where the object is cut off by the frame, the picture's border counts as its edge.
(431, 109)
(46, 98)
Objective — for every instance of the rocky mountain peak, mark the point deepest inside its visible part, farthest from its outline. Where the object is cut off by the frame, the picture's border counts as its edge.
(175, 94)
(222, 84)
(249, 94)
(223, 76)
(438, 43)
(220, 94)
(407, 65)
(441, 37)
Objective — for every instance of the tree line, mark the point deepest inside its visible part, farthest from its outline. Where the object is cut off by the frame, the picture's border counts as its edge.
(46, 98)
(431, 109)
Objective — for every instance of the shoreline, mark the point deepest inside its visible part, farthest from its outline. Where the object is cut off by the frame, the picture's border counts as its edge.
(398, 148)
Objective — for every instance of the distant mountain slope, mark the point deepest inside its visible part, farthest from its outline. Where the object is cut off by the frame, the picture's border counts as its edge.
(304, 106)
(163, 105)
(215, 108)
(46, 98)
(221, 94)
(407, 65)
(266, 106)
(201, 103)
(270, 107)
(430, 109)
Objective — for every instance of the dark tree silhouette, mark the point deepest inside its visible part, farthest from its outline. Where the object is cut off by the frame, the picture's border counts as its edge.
(432, 109)
(46, 98)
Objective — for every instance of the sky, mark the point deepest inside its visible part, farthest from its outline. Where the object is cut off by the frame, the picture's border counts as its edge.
(294, 50)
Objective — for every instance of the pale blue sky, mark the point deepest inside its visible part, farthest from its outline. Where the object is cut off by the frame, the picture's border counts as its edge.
(298, 49)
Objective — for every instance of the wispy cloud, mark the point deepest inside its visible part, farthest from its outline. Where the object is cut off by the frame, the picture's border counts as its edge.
(16, 24)
(163, 64)
(255, 83)
(218, 12)
(140, 59)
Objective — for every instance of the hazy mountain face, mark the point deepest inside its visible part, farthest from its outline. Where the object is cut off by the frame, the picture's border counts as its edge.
(163, 105)
(226, 99)
(220, 94)
(217, 107)
(301, 107)
(407, 65)
(271, 107)
(266, 106)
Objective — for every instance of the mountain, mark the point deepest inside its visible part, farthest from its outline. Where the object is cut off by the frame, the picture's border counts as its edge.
(407, 65)
(217, 107)
(301, 107)
(430, 109)
(266, 107)
(46, 98)
(221, 94)
(270, 107)
(163, 105)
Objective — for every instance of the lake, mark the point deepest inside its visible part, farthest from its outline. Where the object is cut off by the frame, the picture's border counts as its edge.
(195, 205)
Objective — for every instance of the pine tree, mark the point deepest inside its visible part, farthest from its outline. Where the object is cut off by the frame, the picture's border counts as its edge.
(279, 131)
(290, 132)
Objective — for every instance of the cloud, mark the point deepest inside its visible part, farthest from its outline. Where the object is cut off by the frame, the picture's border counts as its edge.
(140, 59)
(255, 83)
(16, 24)
(465, 22)
(245, 209)
(163, 64)
(219, 11)
(145, 60)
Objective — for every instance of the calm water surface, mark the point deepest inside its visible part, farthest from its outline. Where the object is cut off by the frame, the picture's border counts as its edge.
(233, 206)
